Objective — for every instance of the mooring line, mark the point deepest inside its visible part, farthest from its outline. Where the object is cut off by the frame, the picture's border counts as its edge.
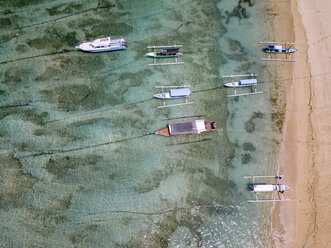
(52, 152)
(36, 56)
(60, 18)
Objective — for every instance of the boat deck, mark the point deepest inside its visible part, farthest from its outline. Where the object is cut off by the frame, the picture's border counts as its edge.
(186, 128)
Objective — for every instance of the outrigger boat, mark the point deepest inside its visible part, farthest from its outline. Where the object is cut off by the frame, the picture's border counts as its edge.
(278, 49)
(165, 53)
(187, 128)
(160, 52)
(176, 92)
(103, 45)
(274, 48)
(265, 188)
(252, 82)
(242, 83)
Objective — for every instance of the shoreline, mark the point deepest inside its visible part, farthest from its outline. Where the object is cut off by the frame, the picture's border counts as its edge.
(304, 146)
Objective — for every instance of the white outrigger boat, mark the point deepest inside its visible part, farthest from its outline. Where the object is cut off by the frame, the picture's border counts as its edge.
(251, 82)
(176, 92)
(265, 188)
(242, 83)
(103, 45)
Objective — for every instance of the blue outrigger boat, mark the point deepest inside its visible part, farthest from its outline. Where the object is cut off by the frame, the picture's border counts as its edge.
(278, 49)
(174, 94)
(274, 47)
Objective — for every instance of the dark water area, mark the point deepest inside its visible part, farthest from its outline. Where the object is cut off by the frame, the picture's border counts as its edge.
(80, 165)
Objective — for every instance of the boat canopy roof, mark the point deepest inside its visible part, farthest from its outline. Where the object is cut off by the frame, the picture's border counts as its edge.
(274, 47)
(187, 127)
(115, 44)
(265, 187)
(171, 50)
(252, 81)
(180, 92)
(102, 41)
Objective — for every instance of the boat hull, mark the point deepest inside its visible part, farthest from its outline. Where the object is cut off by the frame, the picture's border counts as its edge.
(103, 50)
(156, 55)
(236, 84)
(280, 50)
(163, 96)
(210, 126)
(106, 46)
(167, 96)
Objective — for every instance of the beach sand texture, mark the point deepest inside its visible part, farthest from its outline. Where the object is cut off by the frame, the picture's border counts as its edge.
(305, 148)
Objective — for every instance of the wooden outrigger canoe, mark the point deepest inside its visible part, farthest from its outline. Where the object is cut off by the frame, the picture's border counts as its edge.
(187, 128)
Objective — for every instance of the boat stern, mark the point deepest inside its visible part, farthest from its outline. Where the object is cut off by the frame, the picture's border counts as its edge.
(210, 126)
(151, 54)
(232, 84)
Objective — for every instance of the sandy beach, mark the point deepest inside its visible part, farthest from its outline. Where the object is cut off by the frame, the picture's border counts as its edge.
(304, 156)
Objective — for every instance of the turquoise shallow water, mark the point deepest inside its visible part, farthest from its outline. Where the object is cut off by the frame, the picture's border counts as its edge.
(79, 166)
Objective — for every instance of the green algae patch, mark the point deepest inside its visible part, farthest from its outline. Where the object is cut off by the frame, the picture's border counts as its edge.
(248, 147)
(249, 125)
(64, 9)
(54, 40)
(61, 167)
(246, 158)
(5, 22)
(14, 75)
(14, 184)
(20, 3)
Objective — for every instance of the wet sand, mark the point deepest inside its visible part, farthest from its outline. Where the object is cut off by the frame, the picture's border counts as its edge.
(305, 143)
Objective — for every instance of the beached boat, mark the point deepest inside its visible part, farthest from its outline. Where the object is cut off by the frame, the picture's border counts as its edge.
(174, 94)
(187, 128)
(267, 187)
(242, 83)
(257, 188)
(103, 45)
(278, 49)
(165, 53)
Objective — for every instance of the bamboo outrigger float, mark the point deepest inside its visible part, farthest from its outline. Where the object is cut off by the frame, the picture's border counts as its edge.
(252, 83)
(274, 47)
(160, 52)
(187, 128)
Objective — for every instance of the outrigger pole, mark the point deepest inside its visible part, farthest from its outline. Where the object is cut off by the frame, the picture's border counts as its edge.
(173, 46)
(253, 177)
(277, 42)
(165, 87)
(244, 75)
(268, 200)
